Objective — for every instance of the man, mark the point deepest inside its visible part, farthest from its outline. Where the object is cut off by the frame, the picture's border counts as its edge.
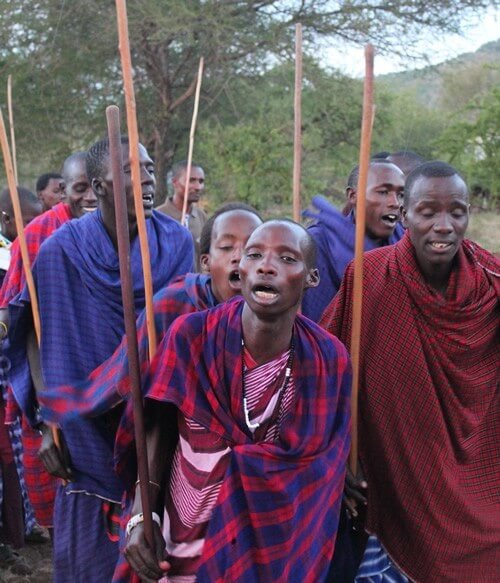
(79, 198)
(252, 400)
(335, 234)
(50, 189)
(79, 291)
(195, 216)
(30, 208)
(429, 401)
(406, 160)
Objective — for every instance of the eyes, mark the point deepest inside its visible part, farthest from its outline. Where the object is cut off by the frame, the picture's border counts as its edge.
(284, 257)
(456, 213)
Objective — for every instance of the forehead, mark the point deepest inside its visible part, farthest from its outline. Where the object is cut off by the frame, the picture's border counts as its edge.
(233, 222)
(438, 188)
(76, 170)
(196, 172)
(53, 183)
(386, 174)
(278, 235)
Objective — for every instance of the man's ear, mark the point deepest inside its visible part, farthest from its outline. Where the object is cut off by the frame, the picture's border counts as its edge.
(205, 262)
(98, 186)
(404, 218)
(312, 278)
(350, 194)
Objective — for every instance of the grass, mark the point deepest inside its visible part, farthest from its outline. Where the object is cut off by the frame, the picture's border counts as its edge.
(484, 228)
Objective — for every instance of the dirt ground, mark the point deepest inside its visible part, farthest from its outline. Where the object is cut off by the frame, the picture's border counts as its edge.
(38, 557)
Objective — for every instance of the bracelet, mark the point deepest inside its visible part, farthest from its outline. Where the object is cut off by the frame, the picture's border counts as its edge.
(150, 483)
(5, 329)
(137, 519)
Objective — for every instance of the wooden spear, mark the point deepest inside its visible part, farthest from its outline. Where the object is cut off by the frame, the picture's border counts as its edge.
(18, 217)
(297, 142)
(133, 134)
(122, 233)
(11, 124)
(364, 164)
(191, 140)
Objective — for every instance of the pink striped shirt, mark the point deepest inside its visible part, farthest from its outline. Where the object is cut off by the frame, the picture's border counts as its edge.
(200, 462)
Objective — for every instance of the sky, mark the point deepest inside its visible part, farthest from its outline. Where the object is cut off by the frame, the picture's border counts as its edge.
(435, 48)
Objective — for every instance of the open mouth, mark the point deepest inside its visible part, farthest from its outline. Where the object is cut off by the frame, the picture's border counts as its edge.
(147, 200)
(234, 279)
(89, 209)
(265, 292)
(390, 219)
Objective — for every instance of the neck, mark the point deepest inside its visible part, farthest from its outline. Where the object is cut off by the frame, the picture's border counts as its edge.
(109, 221)
(266, 339)
(179, 201)
(438, 277)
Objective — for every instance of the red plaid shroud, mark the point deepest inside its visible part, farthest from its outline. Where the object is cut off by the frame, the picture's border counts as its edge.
(36, 232)
(429, 411)
(277, 511)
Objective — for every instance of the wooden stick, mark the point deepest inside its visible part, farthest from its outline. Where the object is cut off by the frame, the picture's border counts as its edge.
(18, 217)
(297, 141)
(133, 134)
(191, 141)
(122, 233)
(11, 124)
(364, 165)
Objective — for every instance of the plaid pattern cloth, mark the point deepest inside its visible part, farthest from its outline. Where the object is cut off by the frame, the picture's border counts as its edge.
(335, 239)
(277, 511)
(429, 411)
(109, 384)
(36, 232)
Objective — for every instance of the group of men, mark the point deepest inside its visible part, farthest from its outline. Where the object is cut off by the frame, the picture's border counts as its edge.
(247, 400)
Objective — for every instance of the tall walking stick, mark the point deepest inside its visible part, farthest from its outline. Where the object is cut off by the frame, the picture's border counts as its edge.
(128, 85)
(191, 140)
(364, 163)
(297, 139)
(11, 124)
(122, 233)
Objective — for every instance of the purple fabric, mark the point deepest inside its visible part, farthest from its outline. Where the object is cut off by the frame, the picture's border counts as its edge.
(83, 552)
(79, 293)
(335, 237)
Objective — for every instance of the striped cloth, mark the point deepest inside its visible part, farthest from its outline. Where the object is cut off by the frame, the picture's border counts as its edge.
(200, 463)
(429, 410)
(377, 567)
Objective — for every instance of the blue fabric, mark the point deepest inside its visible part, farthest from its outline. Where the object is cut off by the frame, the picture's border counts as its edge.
(79, 293)
(83, 552)
(335, 238)
(377, 567)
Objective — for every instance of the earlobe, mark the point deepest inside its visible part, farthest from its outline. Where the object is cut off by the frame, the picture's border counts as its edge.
(205, 263)
(312, 279)
(350, 194)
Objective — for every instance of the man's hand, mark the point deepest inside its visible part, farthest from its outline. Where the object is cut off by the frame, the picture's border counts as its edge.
(56, 462)
(148, 564)
(355, 491)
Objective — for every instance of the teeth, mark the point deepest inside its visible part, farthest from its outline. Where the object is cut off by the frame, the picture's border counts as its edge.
(89, 209)
(265, 295)
(440, 245)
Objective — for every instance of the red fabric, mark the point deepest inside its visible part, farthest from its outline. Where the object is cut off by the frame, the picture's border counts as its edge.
(41, 486)
(36, 232)
(429, 411)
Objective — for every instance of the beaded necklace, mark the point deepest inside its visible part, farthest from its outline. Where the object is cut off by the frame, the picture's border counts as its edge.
(288, 373)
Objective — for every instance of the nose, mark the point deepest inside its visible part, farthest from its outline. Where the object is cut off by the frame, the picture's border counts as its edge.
(266, 266)
(89, 195)
(237, 254)
(147, 177)
(393, 200)
(443, 223)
